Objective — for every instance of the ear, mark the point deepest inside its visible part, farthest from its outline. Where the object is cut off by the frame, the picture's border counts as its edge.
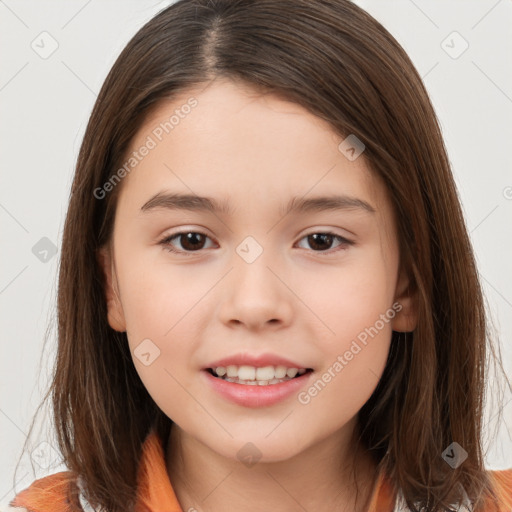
(406, 318)
(116, 318)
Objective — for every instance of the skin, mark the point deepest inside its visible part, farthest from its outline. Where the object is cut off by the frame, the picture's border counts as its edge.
(296, 300)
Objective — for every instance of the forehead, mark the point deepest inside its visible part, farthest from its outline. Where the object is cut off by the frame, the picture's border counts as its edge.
(231, 112)
(228, 139)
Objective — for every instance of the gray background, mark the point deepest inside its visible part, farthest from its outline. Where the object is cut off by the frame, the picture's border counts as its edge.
(45, 101)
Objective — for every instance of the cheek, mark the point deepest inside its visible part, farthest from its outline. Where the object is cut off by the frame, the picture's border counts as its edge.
(352, 370)
(163, 342)
(350, 297)
(354, 304)
(162, 306)
(158, 298)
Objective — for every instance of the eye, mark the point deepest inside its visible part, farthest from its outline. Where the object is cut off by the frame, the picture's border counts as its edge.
(323, 239)
(194, 241)
(191, 241)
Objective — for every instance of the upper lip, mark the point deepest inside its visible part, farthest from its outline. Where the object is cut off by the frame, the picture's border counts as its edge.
(259, 361)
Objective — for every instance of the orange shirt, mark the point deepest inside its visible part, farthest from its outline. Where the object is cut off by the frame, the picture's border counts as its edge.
(155, 492)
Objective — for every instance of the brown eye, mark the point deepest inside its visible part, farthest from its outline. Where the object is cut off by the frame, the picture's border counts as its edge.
(194, 241)
(190, 241)
(322, 242)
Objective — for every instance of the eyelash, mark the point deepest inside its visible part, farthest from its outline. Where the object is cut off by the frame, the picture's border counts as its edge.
(344, 243)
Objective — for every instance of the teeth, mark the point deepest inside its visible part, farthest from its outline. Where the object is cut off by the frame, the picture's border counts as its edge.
(232, 371)
(265, 373)
(291, 372)
(280, 372)
(236, 380)
(247, 373)
(261, 376)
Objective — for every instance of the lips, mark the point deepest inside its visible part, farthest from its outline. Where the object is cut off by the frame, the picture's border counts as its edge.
(256, 395)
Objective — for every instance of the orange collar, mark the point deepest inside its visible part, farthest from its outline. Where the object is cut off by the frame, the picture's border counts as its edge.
(156, 492)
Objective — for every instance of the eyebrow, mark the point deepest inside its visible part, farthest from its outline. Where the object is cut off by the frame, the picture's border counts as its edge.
(190, 202)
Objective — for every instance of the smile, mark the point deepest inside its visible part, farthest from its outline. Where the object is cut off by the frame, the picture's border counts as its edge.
(254, 392)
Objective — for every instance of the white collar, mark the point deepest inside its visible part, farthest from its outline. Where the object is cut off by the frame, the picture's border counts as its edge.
(466, 506)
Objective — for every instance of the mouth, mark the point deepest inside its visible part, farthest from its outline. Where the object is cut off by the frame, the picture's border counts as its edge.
(257, 376)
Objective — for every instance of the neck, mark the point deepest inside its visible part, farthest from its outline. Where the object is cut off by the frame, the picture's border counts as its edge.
(326, 476)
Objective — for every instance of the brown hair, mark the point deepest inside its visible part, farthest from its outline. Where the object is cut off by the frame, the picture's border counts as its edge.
(339, 63)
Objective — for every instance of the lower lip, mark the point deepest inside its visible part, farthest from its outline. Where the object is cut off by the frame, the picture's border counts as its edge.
(256, 396)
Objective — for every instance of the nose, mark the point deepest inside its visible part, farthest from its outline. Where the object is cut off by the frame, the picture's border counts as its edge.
(256, 295)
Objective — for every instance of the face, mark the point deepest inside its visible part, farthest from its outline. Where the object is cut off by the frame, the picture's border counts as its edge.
(318, 286)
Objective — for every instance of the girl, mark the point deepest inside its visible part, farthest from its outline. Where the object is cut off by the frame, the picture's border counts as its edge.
(267, 294)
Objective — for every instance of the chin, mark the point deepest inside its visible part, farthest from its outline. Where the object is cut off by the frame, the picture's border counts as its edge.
(250, 451)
